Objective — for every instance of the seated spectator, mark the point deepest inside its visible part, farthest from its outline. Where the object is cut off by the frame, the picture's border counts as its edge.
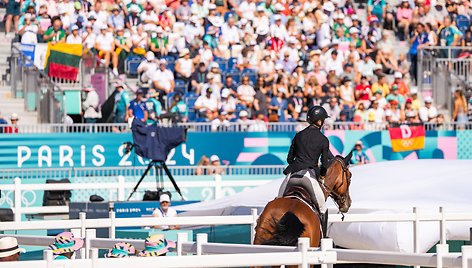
(295, 104)
(261, 99)
(246, 92)
(105, 45)
(198, 78)
(217, 77)
(394, 95)
(140, 40)
(203, 162)
(346, 93)
(137, 107)
(88, 36)
(381, 85)
(184, 66)
(43, 19)
(231, 85)
(91, 105)
(220, 123)
(55, 33)
(206, 103)
(359, 157)
(243, 122)
(333, 110)
(415, 102)
(116, 19)
(366, 67)
(214, 85)
(121, 250)
(227, 102)
(397, 113)
(163, 79)
(149, 18)
(375, 112)
(65, 245)
(9, 249)
(363, 90)
(165, 211)
(158, 42)
(147, 68)
(278, 107)
(180, 108)
(402, 88)
(132, 20)
(287, 64)
(123, 46)
(215, 161)
(267, 68)
(258, 125)
(30, 30)
(153, 106)
(74, 37)
(361, 112)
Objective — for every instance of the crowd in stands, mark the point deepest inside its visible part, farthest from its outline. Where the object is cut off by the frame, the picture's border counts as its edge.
(210, 60)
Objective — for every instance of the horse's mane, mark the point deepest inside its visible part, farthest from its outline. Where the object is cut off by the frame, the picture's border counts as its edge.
(286, 231)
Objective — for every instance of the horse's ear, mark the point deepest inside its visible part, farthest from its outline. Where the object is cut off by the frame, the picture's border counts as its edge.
(348, 158)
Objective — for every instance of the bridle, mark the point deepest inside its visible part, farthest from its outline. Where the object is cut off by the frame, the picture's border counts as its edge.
(332, 192)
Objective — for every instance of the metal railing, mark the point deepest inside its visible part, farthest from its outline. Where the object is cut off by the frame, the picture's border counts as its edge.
(40, 92)
(206, 127)
(25, 173)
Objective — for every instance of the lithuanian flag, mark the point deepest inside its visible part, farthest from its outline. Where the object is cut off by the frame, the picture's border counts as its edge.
(63, 60)
(407, 138)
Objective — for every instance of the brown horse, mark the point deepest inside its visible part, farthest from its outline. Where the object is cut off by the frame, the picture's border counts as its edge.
(286, 219)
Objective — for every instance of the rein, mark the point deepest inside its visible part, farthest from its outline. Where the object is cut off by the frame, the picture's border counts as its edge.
(332, 192)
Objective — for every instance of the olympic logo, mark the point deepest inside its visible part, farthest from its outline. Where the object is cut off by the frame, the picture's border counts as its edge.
(28, 198)
(407, 142)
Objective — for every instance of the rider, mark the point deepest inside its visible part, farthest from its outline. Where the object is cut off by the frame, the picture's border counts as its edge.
(307, 147)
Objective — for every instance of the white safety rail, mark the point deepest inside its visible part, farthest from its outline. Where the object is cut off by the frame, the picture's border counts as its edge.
(206, 127)
(237, 255)
(117, 188)
(60, 173)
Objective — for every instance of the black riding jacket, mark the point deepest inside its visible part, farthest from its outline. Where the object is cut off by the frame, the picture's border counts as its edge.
(307, 147)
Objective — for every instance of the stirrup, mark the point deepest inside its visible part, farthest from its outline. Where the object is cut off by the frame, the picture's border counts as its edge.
(324, 224)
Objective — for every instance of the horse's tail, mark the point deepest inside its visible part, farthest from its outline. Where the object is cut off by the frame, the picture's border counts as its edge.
(287, 231)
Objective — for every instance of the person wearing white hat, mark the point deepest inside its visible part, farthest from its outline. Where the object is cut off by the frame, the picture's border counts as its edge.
(29, 29)
(9, 250)
(277, 29)
(163, 78)
(359, 157)
(415, 101)
(147, 68)
(243, 121)
(165, 211)
(323, 35)
(74, 37)
(227, 102)
(428, 113)
(158, 42)
(184, 66)
(105, 44)
(88, 36)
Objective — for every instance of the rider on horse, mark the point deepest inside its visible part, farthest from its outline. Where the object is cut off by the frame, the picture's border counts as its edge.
(307, 147)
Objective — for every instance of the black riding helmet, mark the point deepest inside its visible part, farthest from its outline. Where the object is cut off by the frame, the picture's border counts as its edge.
(316, 113)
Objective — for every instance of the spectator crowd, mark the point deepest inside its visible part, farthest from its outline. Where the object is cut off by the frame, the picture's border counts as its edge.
(215, 60)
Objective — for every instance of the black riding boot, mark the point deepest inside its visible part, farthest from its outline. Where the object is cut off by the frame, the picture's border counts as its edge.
(324, 224)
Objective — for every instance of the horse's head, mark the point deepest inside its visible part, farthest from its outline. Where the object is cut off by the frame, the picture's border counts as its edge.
(338, 179)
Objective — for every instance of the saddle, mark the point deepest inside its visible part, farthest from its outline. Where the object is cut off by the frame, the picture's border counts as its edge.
(301, 189)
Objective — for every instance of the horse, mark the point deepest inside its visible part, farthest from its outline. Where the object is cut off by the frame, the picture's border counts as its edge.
(287, 218)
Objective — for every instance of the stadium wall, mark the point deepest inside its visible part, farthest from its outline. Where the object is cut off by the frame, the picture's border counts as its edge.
(57, 150)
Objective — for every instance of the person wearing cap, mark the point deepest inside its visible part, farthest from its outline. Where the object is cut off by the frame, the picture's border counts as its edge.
(184, 66)
(29, 30)
(206, 103)
(243, 122)
(359, 157)
(165, 211)
(121, 250)
(179, 108)
(163, 79)
(149, 19)
(153, 106)
(9, 250)
(91, 105)
(137, 107)
(402, 87)
(74, 37)
(122, 102)
(105, 45)
(220, 123)
(88, 36)
(227, 102)
(216, 162)
(277, 29)
(394, 95)
(134, 6)
(116, 19)
(65, 245)
(147, 68)
(55, 33)
(428, 112)
(415, 101)
(132, 19)
(157, 245)
(13, 121)
(158, 42)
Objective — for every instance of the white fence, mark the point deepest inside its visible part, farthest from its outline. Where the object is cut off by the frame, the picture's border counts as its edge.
(237, 255)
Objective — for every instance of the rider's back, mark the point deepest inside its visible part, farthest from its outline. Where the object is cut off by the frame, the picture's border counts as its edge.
(307, 147)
